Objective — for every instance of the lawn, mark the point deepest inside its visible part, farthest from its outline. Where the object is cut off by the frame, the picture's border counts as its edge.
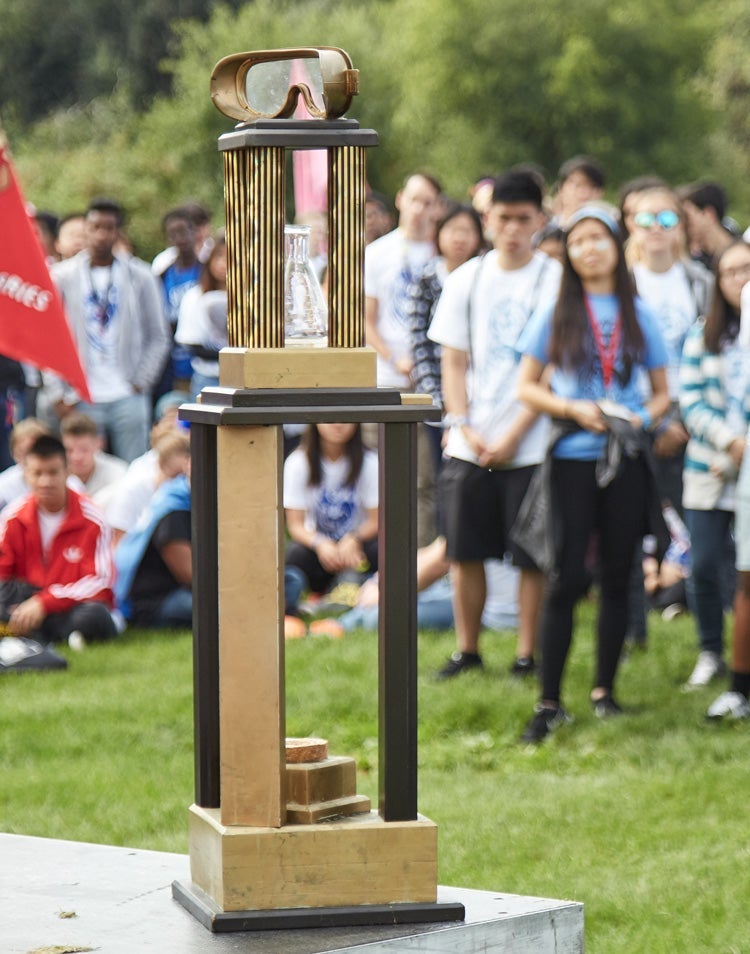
(644, 819)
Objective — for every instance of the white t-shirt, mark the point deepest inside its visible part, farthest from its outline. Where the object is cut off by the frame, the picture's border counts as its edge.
(392, 264)
(49, 524)
(331, 508)
(203, 321)
(130, 496)
(669, 297)
(745, 315)
(482, 310)
(101, 295)
(107, 470)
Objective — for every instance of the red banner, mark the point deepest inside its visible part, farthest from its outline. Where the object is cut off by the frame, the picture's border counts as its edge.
(33, 327)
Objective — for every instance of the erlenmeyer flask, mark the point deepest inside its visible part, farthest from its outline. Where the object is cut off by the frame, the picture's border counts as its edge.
(305, 310)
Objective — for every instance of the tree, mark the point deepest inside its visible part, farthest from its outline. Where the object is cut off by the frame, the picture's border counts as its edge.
(462, 88)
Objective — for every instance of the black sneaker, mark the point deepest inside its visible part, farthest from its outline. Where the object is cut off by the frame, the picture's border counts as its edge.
(544, 721)
(606, 707)
(523, 666)
(458, 663)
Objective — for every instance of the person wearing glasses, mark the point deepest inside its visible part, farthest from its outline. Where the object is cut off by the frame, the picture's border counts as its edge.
(677, 290)
(714, 380)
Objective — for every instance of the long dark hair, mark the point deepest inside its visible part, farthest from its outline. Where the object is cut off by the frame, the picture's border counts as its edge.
(453, 210)
(722, 321)
(572, 339)
(207, 280)
(354, 450)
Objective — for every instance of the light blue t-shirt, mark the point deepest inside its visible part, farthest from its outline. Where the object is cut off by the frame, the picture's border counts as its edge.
(586, 381)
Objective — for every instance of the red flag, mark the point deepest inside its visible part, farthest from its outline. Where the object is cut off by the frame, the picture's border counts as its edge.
(33, 327)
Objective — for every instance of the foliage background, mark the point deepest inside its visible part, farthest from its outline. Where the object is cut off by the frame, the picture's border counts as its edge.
(115, 98)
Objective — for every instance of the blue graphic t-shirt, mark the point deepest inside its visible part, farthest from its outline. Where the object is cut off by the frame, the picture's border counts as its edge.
(331, 508)
(176, 281)
(586, 382)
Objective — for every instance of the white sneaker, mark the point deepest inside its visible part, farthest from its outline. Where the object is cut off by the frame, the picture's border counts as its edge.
(672, 612)
(708, 667)
(730, 705)
(77, 641)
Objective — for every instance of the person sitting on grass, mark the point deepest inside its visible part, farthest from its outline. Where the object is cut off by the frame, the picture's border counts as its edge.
(330, 501)
(56, 571)
(155, 560)
(83, 443)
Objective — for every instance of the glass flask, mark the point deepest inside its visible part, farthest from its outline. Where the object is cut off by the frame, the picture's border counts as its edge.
(305, 309)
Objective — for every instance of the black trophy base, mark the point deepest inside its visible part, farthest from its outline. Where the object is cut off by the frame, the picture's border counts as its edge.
(205, 910)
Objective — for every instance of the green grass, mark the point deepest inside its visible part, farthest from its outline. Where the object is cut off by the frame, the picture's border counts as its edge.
(644, 819)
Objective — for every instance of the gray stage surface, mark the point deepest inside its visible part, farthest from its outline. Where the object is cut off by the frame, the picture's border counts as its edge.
(68, 896)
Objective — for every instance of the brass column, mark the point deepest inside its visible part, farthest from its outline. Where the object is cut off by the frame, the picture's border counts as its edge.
(254, 199)
(346, 240)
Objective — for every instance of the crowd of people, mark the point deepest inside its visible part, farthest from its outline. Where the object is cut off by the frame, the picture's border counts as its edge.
(592, 368)
(95, 498)
(589, 361)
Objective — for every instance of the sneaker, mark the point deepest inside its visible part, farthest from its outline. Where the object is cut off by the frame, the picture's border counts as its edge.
(327, 627)
(544, 721)
(21, 654)
(77, 641)
(458, 663)
(673, 611)
(729, 705)
(709, 666)
(294, 628)
(523, 666)
(606, 707)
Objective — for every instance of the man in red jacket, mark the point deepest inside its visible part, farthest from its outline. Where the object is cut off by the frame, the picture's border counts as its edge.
(56, 570)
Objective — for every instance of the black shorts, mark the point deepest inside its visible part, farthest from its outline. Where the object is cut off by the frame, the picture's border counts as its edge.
(480, 508)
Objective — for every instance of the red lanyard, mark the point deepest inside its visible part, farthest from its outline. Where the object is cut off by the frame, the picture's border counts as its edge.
(607, 353)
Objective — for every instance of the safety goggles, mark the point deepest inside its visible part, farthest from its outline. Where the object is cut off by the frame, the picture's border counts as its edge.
(269, 83)
(667, 219)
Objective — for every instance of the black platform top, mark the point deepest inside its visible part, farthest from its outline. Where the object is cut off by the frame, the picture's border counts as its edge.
(298, 134)
(299, 397)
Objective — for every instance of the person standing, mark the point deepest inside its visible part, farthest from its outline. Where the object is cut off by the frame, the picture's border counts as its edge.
(114, 307)
(176, 279)
(580, 361)
(713, 385)
(393, 264)
(678, 291)
(494, 443)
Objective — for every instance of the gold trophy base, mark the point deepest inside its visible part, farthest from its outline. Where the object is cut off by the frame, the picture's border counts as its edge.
(297, 367)
(358, 860)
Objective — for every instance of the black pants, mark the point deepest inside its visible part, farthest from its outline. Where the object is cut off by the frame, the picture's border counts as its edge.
(319, 579)
(616, 515)
(93, 620)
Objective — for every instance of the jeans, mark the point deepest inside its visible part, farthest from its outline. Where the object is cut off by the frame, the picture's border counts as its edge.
(200, 381)
(176, 609)
(126, 423)
(710, 538)
(434, 610)
(295, 584)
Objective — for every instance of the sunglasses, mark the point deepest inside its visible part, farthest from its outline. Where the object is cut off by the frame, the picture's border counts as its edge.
(667, 219)
(268, 84)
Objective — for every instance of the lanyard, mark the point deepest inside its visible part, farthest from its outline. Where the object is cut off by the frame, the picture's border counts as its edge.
(102, 305)
(608, 352)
